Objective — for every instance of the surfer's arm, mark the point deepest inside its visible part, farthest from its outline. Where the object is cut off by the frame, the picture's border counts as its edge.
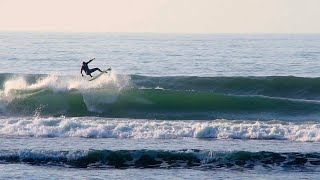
(81, 71)
(90, 60)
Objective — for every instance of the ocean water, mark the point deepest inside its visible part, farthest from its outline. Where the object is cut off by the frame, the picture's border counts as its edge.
(175, 106)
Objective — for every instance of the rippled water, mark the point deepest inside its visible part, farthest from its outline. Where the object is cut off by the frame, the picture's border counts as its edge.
(163, 54)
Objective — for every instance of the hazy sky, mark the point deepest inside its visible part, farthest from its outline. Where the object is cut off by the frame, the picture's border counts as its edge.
(207, 16)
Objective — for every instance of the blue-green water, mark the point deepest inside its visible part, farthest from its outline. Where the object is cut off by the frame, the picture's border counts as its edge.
(175, 106)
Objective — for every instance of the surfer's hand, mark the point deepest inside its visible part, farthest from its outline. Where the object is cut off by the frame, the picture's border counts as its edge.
(82, 75)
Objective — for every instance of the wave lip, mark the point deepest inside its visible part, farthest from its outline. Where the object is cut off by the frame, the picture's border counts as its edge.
(188, 158)
(156, 129)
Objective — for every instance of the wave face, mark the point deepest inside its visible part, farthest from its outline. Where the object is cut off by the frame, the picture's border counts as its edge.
(157, 129)
(272, 86)
(196, 98)
(190, 158)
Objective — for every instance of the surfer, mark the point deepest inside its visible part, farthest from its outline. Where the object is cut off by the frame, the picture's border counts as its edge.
(86, 69)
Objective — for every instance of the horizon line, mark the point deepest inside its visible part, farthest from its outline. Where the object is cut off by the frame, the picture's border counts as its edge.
(141, 32)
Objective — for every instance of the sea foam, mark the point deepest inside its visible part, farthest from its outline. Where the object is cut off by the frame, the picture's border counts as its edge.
(91, 127)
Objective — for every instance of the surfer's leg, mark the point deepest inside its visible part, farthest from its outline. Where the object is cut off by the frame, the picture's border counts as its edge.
(89, 73)
(95, 69)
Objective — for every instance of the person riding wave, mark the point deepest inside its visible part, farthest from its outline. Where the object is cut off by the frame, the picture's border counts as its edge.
(86, 69)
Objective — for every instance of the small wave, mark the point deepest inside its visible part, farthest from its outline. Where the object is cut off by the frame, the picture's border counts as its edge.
(142, 129)
(189, 158)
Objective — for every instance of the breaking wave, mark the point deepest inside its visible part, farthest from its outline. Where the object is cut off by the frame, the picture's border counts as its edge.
(189, 158)
(115, 96)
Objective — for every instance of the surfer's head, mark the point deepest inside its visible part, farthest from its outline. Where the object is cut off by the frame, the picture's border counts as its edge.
(83, 63)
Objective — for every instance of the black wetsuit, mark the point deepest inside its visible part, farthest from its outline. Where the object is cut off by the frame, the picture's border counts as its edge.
(86, 69)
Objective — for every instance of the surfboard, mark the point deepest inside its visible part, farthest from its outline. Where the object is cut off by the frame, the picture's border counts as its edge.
(101, 73)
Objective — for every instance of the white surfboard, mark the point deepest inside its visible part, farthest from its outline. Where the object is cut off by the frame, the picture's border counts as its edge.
(101, 73)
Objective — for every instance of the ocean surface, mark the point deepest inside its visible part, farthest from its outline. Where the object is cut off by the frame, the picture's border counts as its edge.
(174, 106)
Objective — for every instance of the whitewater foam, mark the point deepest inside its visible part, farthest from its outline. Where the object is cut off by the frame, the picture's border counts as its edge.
(14, 83)
(142, 129)
(64, 83)
(20, 87)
